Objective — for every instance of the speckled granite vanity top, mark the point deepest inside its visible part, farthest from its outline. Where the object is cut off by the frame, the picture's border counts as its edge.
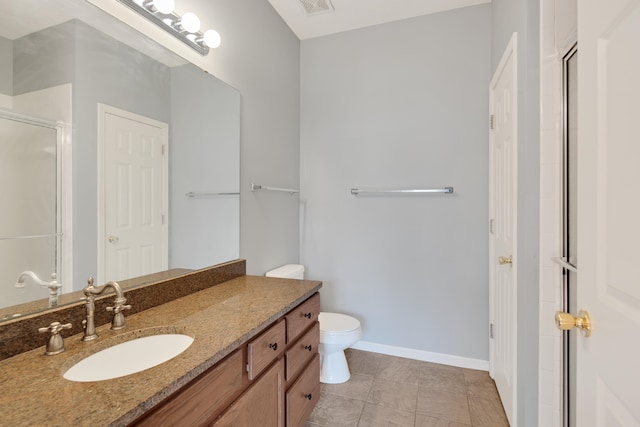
(219, 318)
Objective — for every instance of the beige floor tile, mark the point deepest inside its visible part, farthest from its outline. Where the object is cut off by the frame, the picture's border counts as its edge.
(382, 416)
(445, 405)
(357, 387)
(442, 378)
(400, 396)
(392, 391)
(487, 412)
(336, 411)
(479, 383)
(427, 421)
(362, 362)
(399, 370)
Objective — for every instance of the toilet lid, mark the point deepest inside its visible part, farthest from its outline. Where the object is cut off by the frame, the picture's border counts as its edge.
(337, 323)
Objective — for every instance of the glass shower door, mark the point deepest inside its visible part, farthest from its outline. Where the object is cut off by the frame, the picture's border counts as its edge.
(30, 238)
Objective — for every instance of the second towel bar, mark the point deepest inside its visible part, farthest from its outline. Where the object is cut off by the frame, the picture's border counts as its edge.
(446, 190)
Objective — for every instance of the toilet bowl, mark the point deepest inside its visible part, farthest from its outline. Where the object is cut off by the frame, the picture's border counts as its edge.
(337, 333)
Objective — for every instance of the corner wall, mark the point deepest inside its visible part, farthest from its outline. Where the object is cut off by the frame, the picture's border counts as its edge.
(400, 105)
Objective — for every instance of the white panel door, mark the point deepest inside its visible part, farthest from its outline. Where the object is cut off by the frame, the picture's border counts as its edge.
(134, 197)
(608, 284)
(502, 238)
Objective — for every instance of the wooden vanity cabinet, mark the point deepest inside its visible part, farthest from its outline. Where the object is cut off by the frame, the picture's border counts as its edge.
(271, 381)
(204, 398)
(262, 404)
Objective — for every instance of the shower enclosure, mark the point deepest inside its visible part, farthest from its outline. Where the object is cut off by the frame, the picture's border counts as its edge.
(31, 235)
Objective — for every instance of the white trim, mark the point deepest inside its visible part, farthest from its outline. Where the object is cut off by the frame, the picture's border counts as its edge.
(511, 51)
(103, 110)
(425, 356)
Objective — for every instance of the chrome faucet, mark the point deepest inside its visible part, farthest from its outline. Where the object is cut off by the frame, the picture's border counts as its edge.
(90, 293)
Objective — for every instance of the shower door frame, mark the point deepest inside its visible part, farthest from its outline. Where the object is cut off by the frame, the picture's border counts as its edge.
(64, 206)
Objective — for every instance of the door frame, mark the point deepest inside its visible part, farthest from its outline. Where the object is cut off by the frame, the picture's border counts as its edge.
(103, 110)
(511, 51)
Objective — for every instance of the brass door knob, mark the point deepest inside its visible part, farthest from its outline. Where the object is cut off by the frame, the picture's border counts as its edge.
(505, 260)
(566, 321)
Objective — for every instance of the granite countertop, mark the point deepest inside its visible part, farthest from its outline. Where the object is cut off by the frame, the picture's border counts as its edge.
(219, 318)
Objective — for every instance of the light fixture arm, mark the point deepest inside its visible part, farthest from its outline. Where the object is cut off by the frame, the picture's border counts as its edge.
(170, 22)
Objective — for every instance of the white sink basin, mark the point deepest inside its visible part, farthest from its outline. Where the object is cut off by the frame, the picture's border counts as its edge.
(128, 357)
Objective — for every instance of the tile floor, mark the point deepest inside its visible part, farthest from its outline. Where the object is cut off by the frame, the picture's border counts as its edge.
(392, 391)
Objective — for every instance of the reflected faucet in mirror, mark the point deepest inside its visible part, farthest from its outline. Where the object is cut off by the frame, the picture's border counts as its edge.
(53, 285)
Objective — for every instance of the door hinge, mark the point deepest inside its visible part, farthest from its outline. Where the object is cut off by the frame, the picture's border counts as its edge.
(164, 219)
(491, 330)
(164, 148)
(491, 223)
(492, 120)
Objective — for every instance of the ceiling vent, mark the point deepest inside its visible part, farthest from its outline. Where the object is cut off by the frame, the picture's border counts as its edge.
(314, 7)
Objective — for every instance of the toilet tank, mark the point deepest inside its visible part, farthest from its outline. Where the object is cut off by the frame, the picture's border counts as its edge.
(289, 271)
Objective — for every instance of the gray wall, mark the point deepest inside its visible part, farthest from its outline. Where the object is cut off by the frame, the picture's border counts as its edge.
(44, 59)
(6, 66)
(400, 105)
(522, 16)
(205, 158)
(260, 57)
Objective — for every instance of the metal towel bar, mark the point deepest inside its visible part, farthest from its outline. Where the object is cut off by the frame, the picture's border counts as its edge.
(445, 190)
(195, 195)
(255, 187)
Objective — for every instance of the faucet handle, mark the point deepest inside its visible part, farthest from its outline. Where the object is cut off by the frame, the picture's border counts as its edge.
(119, 306)
(55, 345)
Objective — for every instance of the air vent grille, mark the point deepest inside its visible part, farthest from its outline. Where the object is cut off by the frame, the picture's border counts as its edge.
(317, 6)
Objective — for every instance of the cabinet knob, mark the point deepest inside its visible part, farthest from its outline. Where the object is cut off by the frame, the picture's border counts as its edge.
(308, 396)
(308, 347)
(274, 346)
(307, 315)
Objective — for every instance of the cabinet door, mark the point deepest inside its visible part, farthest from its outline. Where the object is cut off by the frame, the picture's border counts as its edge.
(261, 405)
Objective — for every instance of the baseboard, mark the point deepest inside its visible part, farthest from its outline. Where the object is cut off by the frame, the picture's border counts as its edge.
(425, 356)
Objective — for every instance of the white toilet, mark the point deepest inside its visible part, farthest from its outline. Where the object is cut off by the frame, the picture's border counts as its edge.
(337, 332)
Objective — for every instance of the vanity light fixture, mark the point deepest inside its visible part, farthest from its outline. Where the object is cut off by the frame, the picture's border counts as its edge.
(185, 28)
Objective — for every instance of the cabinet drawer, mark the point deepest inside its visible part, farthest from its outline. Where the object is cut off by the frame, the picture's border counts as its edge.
(206, 397)
(302, 351)
(301, 317)
(265, 349)
(303, 395)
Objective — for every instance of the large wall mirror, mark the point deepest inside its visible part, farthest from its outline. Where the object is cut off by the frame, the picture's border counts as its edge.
(118, 158)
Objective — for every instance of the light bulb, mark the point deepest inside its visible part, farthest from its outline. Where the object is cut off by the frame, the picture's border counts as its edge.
(190, 22)
(164, 6)
(211, 38)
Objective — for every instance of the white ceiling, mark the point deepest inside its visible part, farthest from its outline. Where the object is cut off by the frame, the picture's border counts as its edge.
(352, 14)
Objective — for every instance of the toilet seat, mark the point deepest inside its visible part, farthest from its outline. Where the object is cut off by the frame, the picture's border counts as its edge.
(337, 324)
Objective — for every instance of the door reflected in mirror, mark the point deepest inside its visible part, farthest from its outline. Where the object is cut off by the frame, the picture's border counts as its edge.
(62, 69)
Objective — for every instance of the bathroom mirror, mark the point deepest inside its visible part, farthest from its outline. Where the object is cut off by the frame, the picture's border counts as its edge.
(73, 74)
